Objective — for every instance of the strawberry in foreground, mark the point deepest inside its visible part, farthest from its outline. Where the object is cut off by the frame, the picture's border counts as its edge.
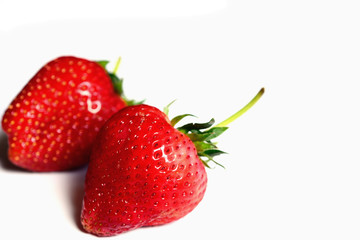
(145, 172)
(53, 121)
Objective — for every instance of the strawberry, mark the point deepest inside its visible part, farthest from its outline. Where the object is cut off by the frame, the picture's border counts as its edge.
(145, 172)
(52, 123)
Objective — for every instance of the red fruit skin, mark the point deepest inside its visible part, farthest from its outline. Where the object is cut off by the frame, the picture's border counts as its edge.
(52, 123)
(142, 172)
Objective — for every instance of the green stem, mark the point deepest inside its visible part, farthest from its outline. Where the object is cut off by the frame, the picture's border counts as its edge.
(117, 65)
(242, 111)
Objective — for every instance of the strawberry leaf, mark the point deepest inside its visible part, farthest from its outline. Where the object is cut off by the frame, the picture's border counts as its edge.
(103, 63)
(203, 146)
(177, 119)
(209, 159)
(196, 126)
(207, 135)
(167, 107)
(205, 163)
(118, 84)
(213, 152)
(214, 132)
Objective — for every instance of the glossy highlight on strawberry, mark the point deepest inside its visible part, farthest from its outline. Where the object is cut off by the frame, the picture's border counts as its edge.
(53, 121)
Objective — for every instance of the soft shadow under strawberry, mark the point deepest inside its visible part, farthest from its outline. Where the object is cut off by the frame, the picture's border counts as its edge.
(4, 159)
(75, 190)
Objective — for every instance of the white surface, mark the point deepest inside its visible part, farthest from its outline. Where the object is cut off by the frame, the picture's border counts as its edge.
(292, 171)
(16, 12)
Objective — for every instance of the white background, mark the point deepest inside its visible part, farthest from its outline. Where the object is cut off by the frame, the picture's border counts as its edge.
(292, 171)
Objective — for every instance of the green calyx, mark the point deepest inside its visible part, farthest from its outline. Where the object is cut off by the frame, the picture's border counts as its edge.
(202, 134)
(118, 82)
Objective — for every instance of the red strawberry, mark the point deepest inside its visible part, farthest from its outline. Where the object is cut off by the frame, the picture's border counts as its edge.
(144, 172)
(53, 121)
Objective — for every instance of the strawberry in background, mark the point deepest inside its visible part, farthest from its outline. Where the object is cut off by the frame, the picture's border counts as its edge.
(52, 123)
